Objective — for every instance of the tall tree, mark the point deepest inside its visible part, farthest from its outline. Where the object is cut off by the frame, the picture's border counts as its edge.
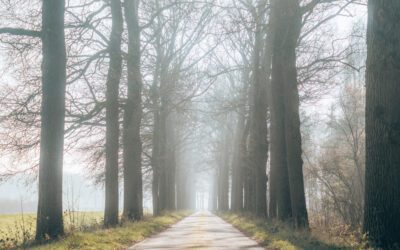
(258, 142)
(223, 168)
(238, 159)
(112, 115)
(382, 192)
(287, 18)
(223, 171)
(132, 145)
(49, 215)
(293, 24)
(280, 205)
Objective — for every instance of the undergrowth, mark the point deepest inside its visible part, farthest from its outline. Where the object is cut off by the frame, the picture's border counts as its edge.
(278, 235)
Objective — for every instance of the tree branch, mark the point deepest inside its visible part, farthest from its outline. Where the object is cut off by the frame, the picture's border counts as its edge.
(20, 32)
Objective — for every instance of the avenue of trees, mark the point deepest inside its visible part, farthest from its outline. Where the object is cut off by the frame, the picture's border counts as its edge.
(171, 99)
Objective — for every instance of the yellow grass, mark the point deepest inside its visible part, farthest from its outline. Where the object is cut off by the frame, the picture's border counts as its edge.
(83, 231)
(277, 235)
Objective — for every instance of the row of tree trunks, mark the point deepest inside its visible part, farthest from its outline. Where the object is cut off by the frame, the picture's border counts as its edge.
(132, 145)
(49, 219)
(49, 214)
(286, 161)
(112, 116)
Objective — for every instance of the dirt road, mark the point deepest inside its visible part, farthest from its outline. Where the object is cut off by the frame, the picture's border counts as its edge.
(202, 230)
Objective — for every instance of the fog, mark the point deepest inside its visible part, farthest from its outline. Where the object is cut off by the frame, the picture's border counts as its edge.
(135, 108)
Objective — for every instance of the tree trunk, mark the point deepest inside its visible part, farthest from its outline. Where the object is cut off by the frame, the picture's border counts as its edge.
(292, 19)
(170, 163)
(287, 18)
(155, 155)
(237, 164)
(182, 187)
(279, 179)
(279, 169)
(258, 136)
(155, 191)
(223, 175)
(132, 151)
(382, 184)
(162, 157)
(49, 214)
(240, 154)
(112, 116)
(212, 204)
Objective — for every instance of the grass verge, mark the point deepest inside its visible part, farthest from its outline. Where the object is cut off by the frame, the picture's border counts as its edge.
(116, 238)
(276, 235)
(18, 230)
(96, 237)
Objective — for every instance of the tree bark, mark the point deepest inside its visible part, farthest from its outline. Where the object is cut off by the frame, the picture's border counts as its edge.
(258, 135)
(237, 164)
(50, 215)
(155, 155)
(240, 154)
(112, 116)
(170, 163)
(162, 142)
(223, 174)
(293, 20)
(132, 144)
(247, 185)
(382, 184)
(279, 176)
(287, 18)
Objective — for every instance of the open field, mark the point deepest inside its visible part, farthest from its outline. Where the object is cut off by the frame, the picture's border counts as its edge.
(16, 229)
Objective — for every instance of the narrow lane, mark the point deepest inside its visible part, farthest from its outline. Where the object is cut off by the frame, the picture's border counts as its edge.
(202, 230)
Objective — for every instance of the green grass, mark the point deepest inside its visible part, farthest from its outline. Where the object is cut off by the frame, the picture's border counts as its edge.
(83, 231)
(275, 235)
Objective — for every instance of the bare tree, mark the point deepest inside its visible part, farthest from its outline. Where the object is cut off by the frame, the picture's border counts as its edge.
(49, 218)
(49, 215)
(111, 216)
(133, 193)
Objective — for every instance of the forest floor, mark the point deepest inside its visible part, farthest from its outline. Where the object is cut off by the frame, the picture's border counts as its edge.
(85, 233)
(276, 235)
